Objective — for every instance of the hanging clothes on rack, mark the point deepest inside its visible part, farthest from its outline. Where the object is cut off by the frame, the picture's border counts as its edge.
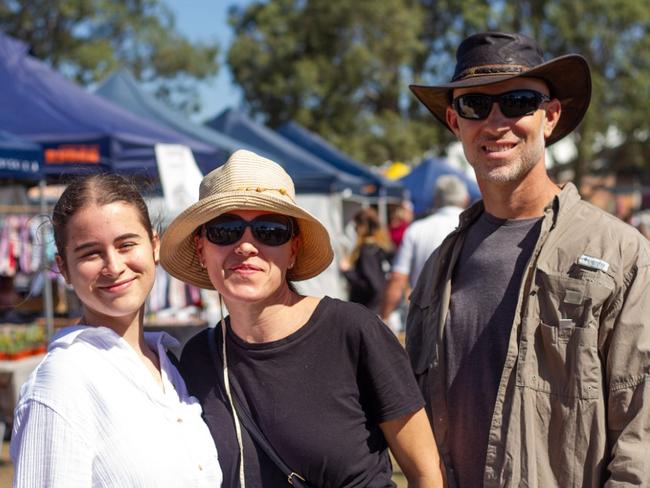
(19, 244)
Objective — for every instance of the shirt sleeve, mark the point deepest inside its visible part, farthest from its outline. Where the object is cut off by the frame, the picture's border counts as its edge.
(386, 375)
(47, 451)
(628, 377)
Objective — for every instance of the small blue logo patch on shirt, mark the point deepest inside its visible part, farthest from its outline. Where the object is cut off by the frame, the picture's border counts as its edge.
(593, 263)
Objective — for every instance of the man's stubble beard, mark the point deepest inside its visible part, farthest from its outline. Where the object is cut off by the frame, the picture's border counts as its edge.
(514, 170)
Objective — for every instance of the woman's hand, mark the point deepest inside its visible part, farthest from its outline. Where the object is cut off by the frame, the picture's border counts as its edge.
(411, 441)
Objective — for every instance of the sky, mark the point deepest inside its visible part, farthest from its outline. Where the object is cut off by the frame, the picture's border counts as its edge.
(207, 20)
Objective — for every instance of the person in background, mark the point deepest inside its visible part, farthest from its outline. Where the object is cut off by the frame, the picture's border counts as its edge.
(641, 221)
(106, 407)
(400, 219)
(368, 265)
(422, 238)
(324, 381)
(529, 328)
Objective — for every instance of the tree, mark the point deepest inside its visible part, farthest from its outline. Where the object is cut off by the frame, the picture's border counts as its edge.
(88, 39)
(335, 66)
(342, 68)
(614, 37)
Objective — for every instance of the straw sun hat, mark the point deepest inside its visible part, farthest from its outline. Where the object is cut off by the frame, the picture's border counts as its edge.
(246, 181)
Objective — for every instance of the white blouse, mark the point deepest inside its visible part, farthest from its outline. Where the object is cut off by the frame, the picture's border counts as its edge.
(92, 415)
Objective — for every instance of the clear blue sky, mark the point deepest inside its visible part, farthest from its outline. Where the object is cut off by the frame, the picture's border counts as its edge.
(207, 20)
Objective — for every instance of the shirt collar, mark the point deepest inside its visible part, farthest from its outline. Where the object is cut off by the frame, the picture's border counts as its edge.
(560, 204)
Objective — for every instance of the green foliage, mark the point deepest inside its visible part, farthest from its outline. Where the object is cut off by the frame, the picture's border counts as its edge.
(338, 67)
(614, 37)
(88, 39)
(24, 337)
(342, 68)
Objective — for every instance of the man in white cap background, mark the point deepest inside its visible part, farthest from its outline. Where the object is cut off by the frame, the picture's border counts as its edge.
(529, 328)
(421, 238)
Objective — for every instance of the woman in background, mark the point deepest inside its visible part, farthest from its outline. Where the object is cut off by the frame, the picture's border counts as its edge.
(369, 263)
(106, 407)
(399, 221)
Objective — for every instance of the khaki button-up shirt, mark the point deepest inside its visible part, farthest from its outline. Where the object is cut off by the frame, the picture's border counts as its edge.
(573, 404)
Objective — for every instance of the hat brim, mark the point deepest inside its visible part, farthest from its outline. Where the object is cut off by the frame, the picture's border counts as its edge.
(178, 252)
(568, 77)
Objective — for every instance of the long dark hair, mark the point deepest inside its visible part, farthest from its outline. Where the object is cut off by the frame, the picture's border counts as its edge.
(369, 231)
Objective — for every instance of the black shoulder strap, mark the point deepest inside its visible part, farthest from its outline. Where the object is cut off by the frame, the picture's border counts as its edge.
(174, 360)
(245, 417)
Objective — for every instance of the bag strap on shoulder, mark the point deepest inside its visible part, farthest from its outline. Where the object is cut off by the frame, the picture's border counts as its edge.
(246, 418)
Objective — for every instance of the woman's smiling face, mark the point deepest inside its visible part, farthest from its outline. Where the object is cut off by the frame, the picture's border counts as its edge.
(110, 260)
(247, 270)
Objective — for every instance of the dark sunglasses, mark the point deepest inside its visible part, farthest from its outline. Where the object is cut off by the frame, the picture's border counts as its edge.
(268, 229)
(516, 103)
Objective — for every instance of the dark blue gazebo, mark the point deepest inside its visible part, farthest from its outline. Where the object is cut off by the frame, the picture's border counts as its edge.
(20, 159)
(420, 182)
(308, 171)
(122, 89)
(79, 131)
(376, 184)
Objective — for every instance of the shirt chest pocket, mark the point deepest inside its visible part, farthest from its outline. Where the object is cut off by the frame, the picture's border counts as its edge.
(573, 300)
(558, 351)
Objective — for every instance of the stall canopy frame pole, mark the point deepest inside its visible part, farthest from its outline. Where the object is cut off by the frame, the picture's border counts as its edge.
(45, 267)
(382, 208)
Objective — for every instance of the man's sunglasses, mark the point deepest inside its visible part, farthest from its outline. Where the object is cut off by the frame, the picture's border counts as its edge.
(516, 103)
(268, 229)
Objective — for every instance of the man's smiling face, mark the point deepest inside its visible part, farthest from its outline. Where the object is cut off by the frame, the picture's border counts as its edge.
(503, 149)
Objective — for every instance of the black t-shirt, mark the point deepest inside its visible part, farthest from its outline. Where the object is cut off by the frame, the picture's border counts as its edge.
(318, 395)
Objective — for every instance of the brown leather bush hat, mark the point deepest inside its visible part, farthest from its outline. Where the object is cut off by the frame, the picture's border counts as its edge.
(492, 57)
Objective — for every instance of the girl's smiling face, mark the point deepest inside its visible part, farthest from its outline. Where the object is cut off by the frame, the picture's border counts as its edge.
(110, 260)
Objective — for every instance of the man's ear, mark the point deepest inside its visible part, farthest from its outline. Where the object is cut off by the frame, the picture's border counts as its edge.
(551, 116)
(452, 121)
(60, 264)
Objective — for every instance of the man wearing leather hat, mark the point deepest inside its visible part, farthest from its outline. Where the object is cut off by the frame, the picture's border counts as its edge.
(529, 327)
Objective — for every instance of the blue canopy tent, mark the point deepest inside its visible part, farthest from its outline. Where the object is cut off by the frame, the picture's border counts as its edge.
(20, 159)
(310, 173)
(123, 90)
(79, 131)
(318, 146)
(420, 182)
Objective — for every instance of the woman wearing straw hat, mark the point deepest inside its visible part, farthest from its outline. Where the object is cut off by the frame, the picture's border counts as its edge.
(308, 391)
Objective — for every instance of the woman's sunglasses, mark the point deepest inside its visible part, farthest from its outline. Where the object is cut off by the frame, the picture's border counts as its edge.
(268, 229)
(516, 103)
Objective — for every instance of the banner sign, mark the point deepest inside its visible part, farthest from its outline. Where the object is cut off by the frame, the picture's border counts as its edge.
(77, 157)
(19, 167)
(180, 176)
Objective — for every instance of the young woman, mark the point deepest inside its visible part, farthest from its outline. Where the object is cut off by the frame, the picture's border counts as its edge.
(324, 381)
(369, 263)
(106, 407)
